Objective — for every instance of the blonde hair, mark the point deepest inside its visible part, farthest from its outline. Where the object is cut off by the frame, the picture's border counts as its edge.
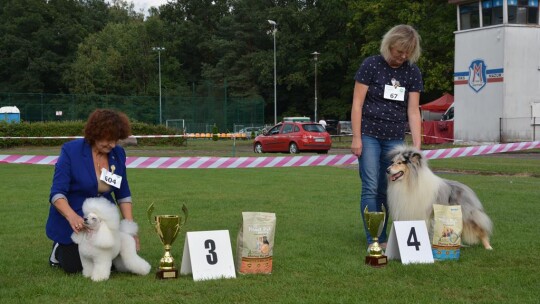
(403, 37)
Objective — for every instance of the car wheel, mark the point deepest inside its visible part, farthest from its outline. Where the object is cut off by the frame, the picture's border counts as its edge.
(293, 148)
(258, 148)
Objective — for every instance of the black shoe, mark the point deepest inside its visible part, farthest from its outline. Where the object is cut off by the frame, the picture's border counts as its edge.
(53, 261)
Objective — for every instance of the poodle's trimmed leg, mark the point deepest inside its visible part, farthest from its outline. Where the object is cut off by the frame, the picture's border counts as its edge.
(129, 260)
(102, 270)
(88, 267)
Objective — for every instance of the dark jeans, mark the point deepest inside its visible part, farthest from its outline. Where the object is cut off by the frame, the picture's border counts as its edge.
(69, 258)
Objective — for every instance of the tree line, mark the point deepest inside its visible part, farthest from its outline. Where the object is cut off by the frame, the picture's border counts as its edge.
(97, 47)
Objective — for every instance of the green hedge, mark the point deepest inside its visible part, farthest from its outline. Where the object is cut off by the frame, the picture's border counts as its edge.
(75, 128)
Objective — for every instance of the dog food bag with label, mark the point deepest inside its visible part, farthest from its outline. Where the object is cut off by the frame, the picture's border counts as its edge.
(447, 228)
(255, 243)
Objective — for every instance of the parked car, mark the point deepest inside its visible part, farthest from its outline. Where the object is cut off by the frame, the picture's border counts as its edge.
(449, 114)
(331, 126)
(297, 119)
(344, 128)
(294, 137)
(249, 130)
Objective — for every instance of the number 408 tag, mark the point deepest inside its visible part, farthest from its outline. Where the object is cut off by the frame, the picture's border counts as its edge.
(409, 241)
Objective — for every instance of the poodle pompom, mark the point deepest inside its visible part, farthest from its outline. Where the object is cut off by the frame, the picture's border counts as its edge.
(105, 210)
(129, 227)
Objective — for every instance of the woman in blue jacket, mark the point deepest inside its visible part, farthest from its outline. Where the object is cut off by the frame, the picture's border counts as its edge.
(89, 167)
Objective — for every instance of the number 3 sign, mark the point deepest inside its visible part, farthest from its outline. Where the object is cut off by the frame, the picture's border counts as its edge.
(409, 241)
(208, 255)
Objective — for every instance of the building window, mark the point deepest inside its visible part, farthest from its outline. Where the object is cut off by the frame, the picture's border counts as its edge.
(492, 12)
(469, 16)
(523, 11)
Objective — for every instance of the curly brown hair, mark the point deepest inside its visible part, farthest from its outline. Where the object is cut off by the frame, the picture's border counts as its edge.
(106, 124)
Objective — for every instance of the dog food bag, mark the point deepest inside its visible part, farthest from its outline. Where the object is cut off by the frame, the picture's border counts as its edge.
(255, 243)
(447, 227)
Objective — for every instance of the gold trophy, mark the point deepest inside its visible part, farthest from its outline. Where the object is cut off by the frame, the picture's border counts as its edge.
(375, 224)
(167, 227)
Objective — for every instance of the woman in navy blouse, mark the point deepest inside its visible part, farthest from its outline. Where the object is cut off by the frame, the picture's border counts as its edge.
(81, 172)
(385, 100)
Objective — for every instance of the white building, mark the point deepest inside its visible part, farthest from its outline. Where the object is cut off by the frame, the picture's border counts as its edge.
(497, 71)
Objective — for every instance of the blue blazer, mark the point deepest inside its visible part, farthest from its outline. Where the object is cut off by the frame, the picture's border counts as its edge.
(75, 178)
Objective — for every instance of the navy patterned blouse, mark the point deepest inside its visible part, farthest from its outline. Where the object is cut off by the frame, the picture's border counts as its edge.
(385, 118)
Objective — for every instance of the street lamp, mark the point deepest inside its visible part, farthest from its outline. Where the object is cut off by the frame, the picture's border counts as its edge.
(274, 30)
(159, 49)
(315, 57)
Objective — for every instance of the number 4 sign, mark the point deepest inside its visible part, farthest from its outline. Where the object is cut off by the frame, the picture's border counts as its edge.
(208, 255)
(409, 241)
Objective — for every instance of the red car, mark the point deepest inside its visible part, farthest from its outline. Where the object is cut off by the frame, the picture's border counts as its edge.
(294, 137)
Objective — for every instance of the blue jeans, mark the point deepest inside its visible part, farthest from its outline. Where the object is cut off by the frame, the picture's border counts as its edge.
(372, 166)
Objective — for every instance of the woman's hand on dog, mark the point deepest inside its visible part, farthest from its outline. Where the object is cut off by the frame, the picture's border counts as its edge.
(76, 222)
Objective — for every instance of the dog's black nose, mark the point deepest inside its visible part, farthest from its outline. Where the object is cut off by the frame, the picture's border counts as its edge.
(388, 170)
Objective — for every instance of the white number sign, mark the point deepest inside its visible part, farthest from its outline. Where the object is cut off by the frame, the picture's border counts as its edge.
(208, 255)
(409, 242)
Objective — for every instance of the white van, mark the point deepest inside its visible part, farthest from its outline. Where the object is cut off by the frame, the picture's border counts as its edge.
(449, 114)
(297, 119)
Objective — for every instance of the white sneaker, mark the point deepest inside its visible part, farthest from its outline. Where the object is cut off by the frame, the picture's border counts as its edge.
(53, 261)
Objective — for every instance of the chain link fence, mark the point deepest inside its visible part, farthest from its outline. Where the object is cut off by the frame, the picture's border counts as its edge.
(193, 114)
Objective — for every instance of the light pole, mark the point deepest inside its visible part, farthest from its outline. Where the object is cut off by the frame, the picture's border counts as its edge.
(315, 57)
(274, 30)
(159, 49)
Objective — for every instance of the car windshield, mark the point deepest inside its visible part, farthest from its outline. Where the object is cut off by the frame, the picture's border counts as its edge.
(314, 128)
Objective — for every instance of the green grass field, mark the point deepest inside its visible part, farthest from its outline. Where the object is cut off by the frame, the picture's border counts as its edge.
(319, 247)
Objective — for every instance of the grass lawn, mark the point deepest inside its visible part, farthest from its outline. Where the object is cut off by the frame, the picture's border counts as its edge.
(319, 247)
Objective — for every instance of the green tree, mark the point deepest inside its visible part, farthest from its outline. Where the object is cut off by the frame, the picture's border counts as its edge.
(120, 60)
(435, 23)
(99, 47)
(38, 40)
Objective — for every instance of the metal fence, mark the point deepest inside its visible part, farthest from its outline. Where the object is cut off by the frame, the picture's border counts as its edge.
(196, 112)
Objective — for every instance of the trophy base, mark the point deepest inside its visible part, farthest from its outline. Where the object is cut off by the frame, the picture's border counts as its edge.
(167, 274)
(379, 261)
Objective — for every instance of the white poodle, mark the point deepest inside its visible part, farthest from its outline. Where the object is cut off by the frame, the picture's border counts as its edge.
(106, 241)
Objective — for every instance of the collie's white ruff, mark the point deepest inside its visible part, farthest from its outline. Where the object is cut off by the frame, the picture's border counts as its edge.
(413, 189)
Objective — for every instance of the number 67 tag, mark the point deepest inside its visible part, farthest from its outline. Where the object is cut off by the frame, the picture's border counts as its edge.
(394, 93)
(208, 255)
(409, 241)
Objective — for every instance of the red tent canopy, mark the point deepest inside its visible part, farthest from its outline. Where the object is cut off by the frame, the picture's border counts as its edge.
(440, 104)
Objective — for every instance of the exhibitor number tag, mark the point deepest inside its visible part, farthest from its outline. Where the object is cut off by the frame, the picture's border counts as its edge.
(394, 93)
(110, 178)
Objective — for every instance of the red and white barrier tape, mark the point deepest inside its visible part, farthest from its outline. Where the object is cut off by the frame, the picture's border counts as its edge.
(272, 162)
(188, 135)
(480, 150)
(40, 137)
